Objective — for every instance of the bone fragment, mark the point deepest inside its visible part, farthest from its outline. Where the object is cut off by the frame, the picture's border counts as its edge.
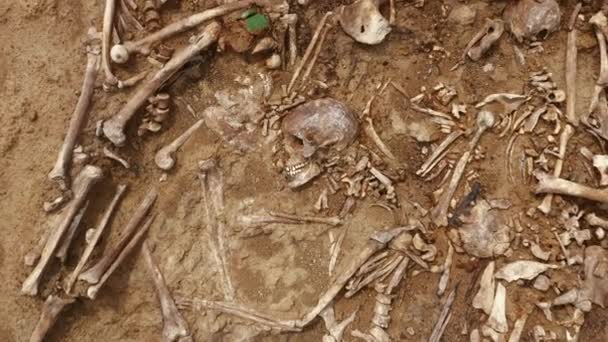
(538, 252)
(596, 221)
(336, 329)
(60, 171)
(62, 252)
(111, 155)
(489, 34)
(427, 166)
(600, 22)
(331, 220)
(447, 266)
(309, 51)
(114, 128)
(600, 162)
(484, 298)
(545, 205)
(144, 45)
(510, 102)
(571, 56)
(498, 318)
(551, 184)
(444, 317)
(356, 284)
(369, 129)
(83, 183)
(53, 305)
(212, 184)
(94, 274)
(439, 214)
(93, 290)
(363, 22)
(522, 269)
(334, 252)
(321, 203)
(175, 327)
(94, 238)
(164, 158)
(291, 21)
(55, 204)
(315, 55)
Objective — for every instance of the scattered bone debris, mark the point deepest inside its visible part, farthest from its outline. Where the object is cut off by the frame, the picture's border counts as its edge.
(494, 186)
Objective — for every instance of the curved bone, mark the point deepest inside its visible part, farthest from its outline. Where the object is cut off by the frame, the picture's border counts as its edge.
(94, 274)
(434, 157)
(114, 128)
(567, 133)
(95, 238)
(335, 328)
(53, 305)
(83, 183)
(143, 46)
(60, 172)
(175, 326)
(164, 158)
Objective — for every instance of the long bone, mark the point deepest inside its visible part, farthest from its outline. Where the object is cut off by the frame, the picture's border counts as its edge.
(53, 305)
(144, 45)
(93, 274)
(62, 251)
(93, 290)
(109, 14)
(600, 22)
(114, 128)
(164, 158)
(571, 56)
(212, 184)
(175, 327)
(545, 206)
(60, 171)
(94, 239)
(83, 183)
(439, 214)
(335, 328)
(551, 184)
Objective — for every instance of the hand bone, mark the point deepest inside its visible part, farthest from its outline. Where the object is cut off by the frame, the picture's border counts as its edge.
(53, 305)
(94, 274)
(83, 183)
(164, 158)
(551, 184)
(114, 128)
(60, 171)
(174, 326)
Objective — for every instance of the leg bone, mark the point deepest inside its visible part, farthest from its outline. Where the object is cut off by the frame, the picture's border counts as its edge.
(551, 184)
(62, 252)
(53, 305)
(164, 158)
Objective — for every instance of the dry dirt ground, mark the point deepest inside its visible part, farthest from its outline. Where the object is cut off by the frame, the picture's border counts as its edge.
(284, 271)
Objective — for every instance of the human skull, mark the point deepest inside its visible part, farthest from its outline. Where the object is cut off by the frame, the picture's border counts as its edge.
(312, 131)
(532, 19)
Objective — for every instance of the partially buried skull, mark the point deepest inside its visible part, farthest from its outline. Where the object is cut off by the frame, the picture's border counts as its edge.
(532, 19)
(315, 131)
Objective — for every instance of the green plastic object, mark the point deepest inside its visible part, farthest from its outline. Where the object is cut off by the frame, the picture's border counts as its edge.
(256, 22)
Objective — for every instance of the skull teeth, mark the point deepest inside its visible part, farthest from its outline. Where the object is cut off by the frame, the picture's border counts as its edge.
(293, 170)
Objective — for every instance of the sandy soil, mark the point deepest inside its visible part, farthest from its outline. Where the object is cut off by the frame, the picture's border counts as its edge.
(285, 270)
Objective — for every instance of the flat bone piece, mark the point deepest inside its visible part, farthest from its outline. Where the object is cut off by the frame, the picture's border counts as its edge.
(84, 258)
(93, 290)
(518, 328)
(522, 269)
(484, 299)
(53, 305)
(175, 326)
(60, 171)
(114, 128)
(551, 184)
(165, 157)
(83, 183)
(498, 318)
(94, 274)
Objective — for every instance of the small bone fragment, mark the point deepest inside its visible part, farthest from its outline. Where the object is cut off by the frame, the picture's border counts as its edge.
(336, 329)
(427, 166)
(291, 21)
(596, 221)
(60, 172)
(567, 133)
(571, 56)
(600, 162)
(94, 239)
(439, 214)
(53, 305)
(93, 274)
(175, 327)
(518, 328)
(144, 45)
(489, 35)
(335, 251)
(93, 290)
(114, 128)
(484, 298)
(538, 252)
(62, 252)
(551, 184)
(522, 269)
(511, 102)
(331, 220)
(164, 158)
(542, 283)
(498, 318)
(363, 22)
(83, 183)
(430, 251)
(111, 155)
(309, 51)
(447, 266)
(265, 44)
(444, 317)
(321, 203)
(55, 204)
(600, 22)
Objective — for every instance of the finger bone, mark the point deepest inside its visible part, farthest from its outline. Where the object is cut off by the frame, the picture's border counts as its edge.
(164, 158)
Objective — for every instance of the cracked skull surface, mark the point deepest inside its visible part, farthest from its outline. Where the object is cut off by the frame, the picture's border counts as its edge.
(314, 131)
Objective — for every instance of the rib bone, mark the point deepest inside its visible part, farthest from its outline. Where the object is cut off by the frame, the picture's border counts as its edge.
(175, 326)
(551, 184)
(60, 172)
(434, 157)
(164, 158)
(94, 274)
(93, 290)
(82, 184)
(114, 128)
(439, 214)
(94, 239)
(567, 133)
(53, 305)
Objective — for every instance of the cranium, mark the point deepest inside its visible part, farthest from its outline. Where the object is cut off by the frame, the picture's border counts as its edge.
(532, 19)
(313, 131)
(363, 21)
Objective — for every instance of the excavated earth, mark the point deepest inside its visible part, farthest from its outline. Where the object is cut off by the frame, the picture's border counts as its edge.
(282, 272)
